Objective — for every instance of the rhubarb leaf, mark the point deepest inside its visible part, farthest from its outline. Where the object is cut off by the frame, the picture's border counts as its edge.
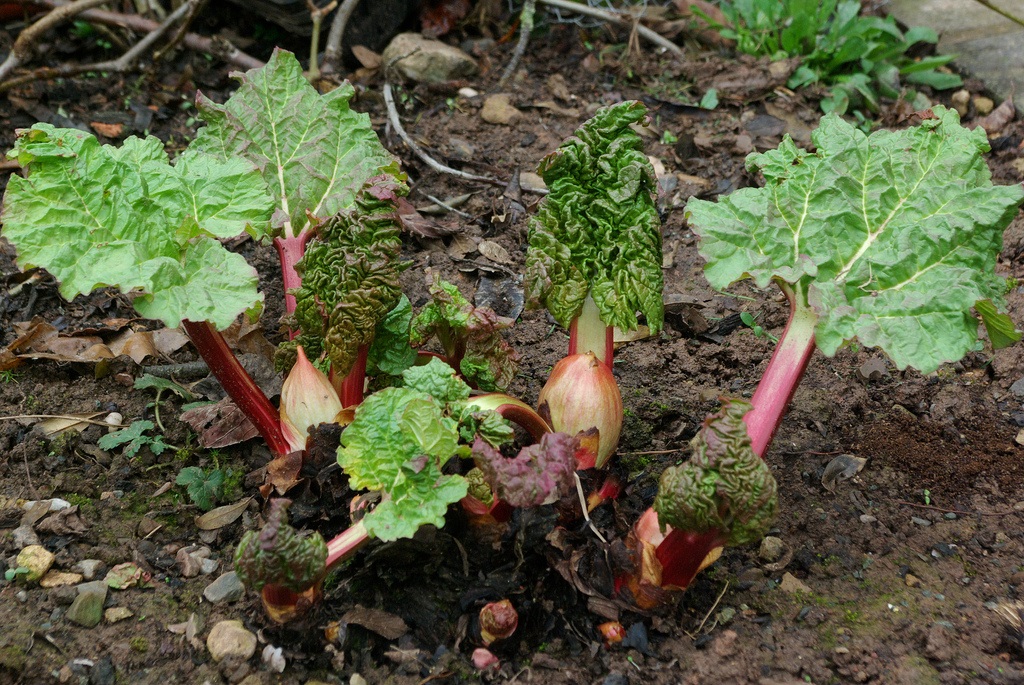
(892, 238)
(723, 486)
(537, 475)
(598, 229)
(279, 555)
(470, 336)
(390, 353)
(313, 151)
(438, 380)
(349, 277)
(95, 215)
(397, 444)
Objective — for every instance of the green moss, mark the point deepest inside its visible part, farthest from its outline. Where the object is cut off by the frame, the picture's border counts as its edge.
(13, 659)
(139, 644)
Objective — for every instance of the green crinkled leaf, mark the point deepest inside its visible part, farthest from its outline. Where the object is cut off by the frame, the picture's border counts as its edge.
(314, 152)
(723, 486)
(390, 353)
(95, 215)
(598, 229)
(470, 336)
(349, 277)
(488, 424)
(437, 379)
(279, 555)
(892, 238)
(397, 444)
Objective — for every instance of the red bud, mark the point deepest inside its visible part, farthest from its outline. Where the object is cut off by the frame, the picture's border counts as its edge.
(498, 620)
(582, 397)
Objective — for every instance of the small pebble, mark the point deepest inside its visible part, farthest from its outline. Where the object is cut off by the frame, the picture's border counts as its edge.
(911, 580)
(924, 523)
(37, 560)
(115, 614)
(867, 518)
(959, 101)
(22, 596)
(230, 639)
(468, 92)
(771, 549)
(227, 588)
(950, 516)
(89, 568)
(983, 105)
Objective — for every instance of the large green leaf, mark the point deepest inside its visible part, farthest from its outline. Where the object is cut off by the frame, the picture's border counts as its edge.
(892, 238)
(315, 153)
(397, 444)
(94, 215)
(598, 229)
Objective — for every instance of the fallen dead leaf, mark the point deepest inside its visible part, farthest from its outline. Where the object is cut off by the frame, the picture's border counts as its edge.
(841, 468)
(283, 474)
(222, 516)
(494, 252)
(220, 424)
(367, 57)
(997, 119)
(58, 424)
(387, 625)
(107, 130)
(460, 246)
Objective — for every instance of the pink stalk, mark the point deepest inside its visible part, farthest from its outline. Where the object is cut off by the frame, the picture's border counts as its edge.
(350, 388)
(588, 333)
(514, 410)
(290, 250)
(781, 378)
(681, 554)
(237, 383)
(345, 545)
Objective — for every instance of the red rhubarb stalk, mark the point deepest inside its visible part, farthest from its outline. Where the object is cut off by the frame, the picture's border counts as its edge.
(350, 388)
(290, 250)
(238, 384)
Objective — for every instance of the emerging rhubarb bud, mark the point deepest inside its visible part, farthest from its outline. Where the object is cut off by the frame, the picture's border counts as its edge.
(498, 620)
(582, 398)
(307, 399)
(484, 660)
(286, 568)
(612, 633)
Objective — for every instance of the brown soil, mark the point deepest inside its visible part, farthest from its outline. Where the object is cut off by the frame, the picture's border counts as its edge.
(899, 567)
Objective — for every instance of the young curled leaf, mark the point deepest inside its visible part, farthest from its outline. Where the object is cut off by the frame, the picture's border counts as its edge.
(397, 444)
(349, 277)
(278, 555)
(723, 486)
(470, 336)
(537, 475)
(598, 229)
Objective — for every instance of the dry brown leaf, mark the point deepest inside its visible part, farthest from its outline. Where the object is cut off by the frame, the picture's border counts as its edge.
(283, 472)
(58, 424)
(367, 57)
(220, 424)
(494, 252)
(461, 246)
(107, 130)
(622, 337)
(418, 225)
(387, 625)
(222, 516)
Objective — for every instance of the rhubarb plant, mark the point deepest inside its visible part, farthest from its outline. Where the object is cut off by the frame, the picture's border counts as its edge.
(349, 285)
(470, 336)
(594, 260)
(888, 239)
(274, 161)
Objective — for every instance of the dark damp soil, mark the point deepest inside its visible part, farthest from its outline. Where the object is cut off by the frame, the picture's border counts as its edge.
(893, 577)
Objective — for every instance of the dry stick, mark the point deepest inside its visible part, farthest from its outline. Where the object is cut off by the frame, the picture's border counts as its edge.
(124, 63)
(954, 511)
(25, 45)
(196, 7)
(317, 14)
(1011, 17)
(525, 28)
(61, 416)
(220, 48)
(710, 611)
(616, 18)
(389, 100)
(332, 51)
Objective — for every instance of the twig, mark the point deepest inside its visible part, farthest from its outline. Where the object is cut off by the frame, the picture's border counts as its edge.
(525, 28)
(443, 205)
(62, 416)
(124, 63)
(954, 511)
(25, 45)
(317, 14)
(332, 51)
(710, 611)
(583, 505)
(396, 123)
(218, 47)
(616, 18)
(182, 31)
(1011, 17)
